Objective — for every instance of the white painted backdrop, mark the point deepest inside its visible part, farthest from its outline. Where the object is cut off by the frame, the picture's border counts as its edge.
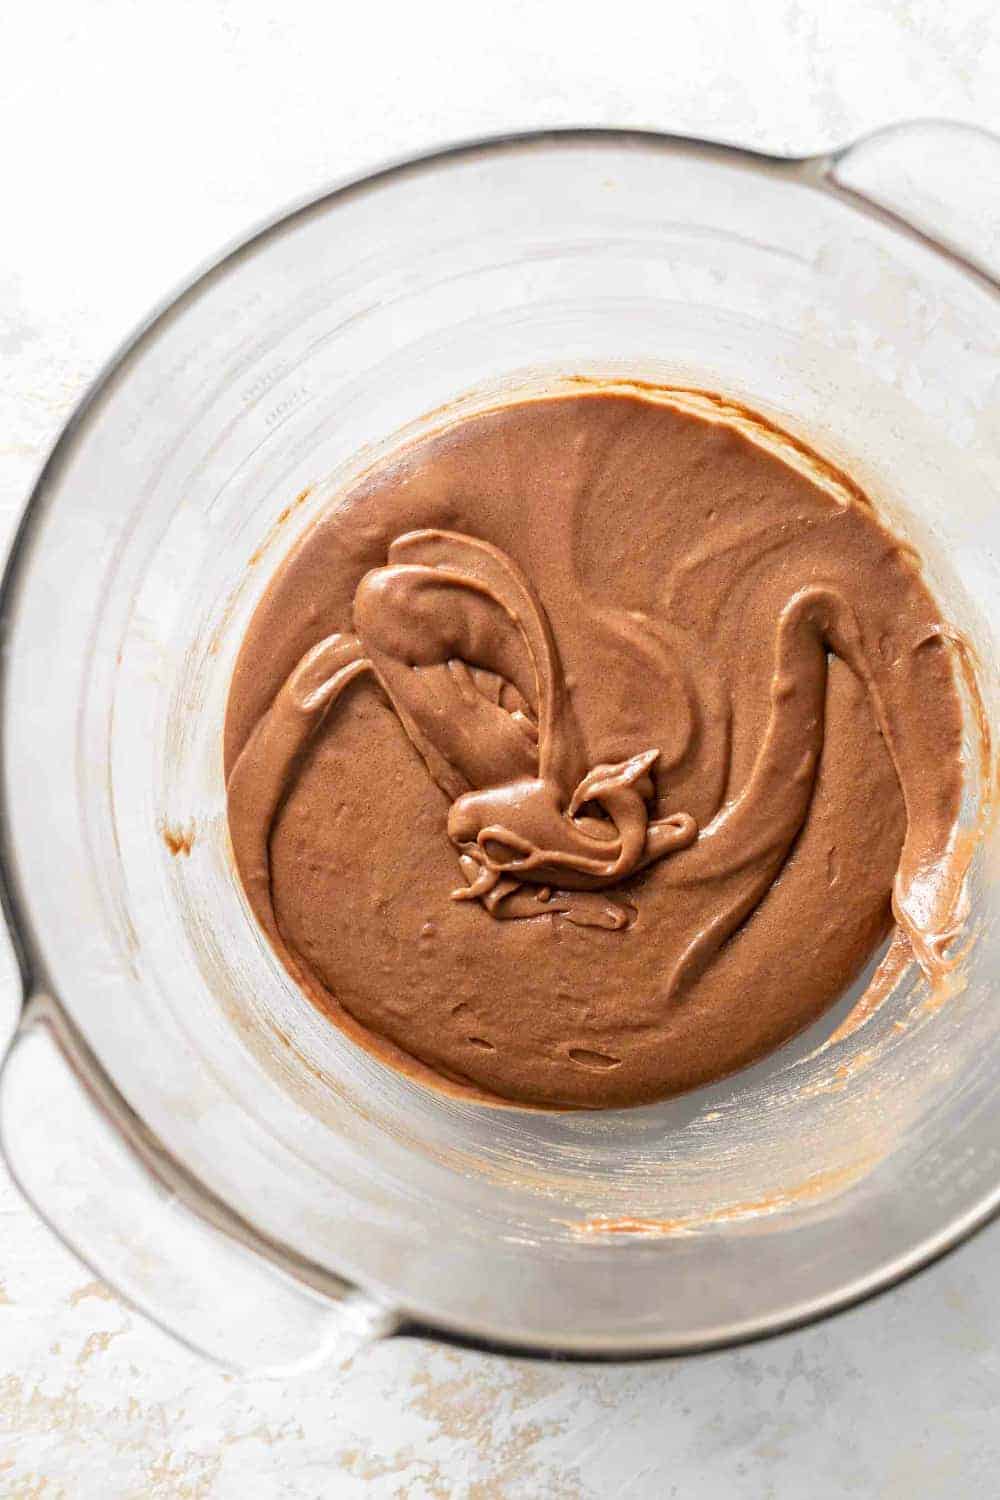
(134, 139)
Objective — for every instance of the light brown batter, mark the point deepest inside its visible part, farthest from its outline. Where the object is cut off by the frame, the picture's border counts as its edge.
(581, 753)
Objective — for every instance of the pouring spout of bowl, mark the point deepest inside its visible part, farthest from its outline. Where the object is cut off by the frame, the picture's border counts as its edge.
(929, 176)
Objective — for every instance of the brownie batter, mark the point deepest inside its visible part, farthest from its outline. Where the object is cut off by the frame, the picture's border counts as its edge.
(584, 751)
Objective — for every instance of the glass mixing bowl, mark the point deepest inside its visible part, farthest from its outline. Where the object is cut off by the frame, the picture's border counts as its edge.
(172, 1104)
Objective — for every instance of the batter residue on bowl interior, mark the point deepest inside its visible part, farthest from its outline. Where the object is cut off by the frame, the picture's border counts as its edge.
(584, 750)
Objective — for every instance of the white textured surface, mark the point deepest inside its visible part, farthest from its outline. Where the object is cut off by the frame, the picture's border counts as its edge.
(137, 139)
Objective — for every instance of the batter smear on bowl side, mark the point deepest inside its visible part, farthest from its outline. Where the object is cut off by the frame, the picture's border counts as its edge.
(585, 750)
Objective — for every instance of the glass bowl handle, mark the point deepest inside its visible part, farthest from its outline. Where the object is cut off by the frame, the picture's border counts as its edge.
(938, 178)
(94, 1174)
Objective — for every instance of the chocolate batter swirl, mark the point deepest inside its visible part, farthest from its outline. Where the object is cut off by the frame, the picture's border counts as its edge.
(657, 682)
(459, 642)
